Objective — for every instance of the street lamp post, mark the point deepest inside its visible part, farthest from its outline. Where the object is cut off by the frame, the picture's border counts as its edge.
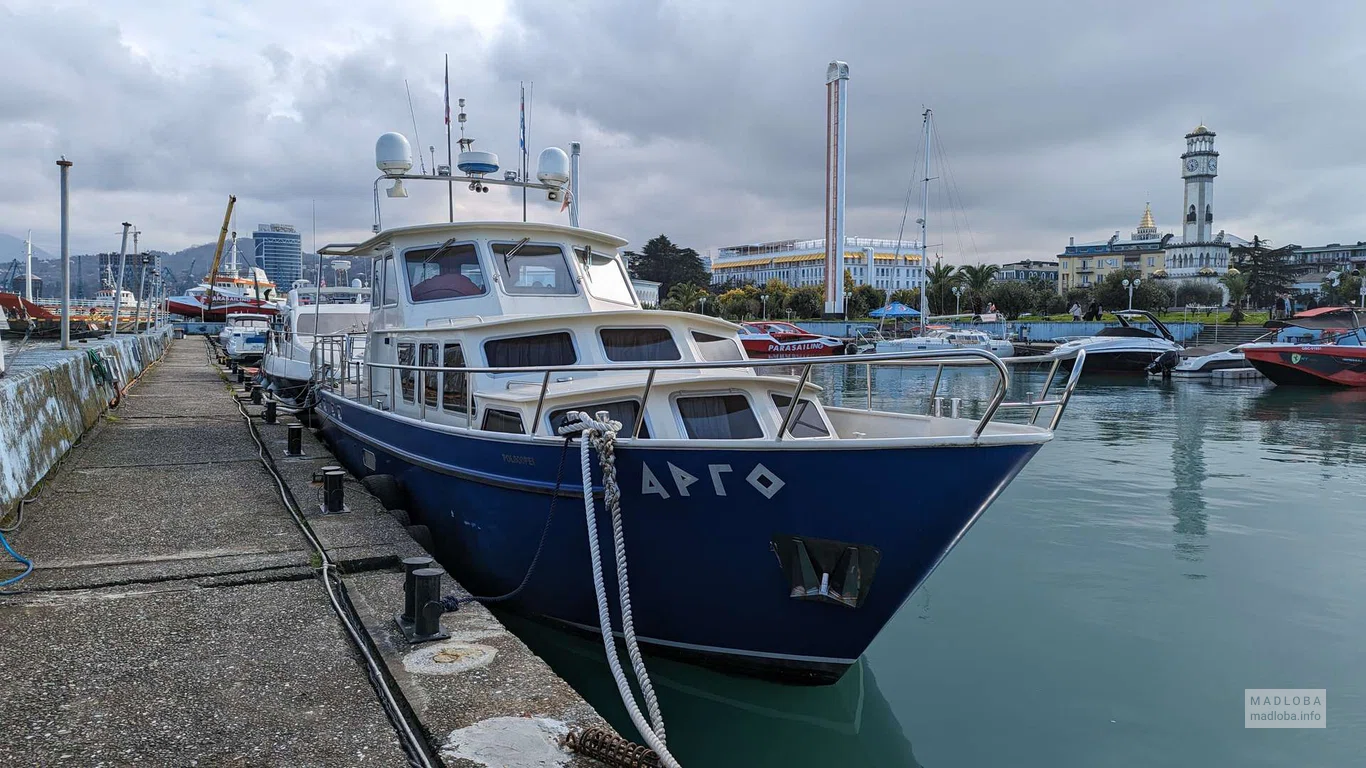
(703, 302)
(957, 299)
(764, 298)
(1131, 285)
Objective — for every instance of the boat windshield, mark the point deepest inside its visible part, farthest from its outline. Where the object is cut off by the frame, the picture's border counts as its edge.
(605, 277)
(250, 322)
(535, 269)
(448, 271)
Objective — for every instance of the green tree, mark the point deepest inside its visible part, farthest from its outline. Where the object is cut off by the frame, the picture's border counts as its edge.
(684, 297)
(1047, 300)
(1269, 272)
(1012, 297)
(977, 283)
(805, 302)
(777, 292)
(940, 280)
(1111, 294)
(908, 296)
(863, 300)
(1236, 282)
(739, 303)
(1345, 290)
(1200, 293)
(665, 263)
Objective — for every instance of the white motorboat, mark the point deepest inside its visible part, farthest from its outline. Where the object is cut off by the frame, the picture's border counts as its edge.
(243, 337)
(1124, 349)
(291, 345)
(947, 339)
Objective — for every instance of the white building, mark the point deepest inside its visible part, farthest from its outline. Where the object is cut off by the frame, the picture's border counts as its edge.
(1201, 252)
(647, 291)
(802, 262)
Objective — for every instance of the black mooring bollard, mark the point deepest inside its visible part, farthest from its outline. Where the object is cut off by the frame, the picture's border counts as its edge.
(270, 412)
(295, 446)
(410, 565)
(427, 605)
(332, 491)
(241, 374)
(255, 393)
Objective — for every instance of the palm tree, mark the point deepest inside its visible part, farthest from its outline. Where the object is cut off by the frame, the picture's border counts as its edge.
(940, 280)
(685, 296)
(977, 280)
(1236, 283)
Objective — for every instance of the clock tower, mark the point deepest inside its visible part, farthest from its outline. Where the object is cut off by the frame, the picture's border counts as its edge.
(1199, 165)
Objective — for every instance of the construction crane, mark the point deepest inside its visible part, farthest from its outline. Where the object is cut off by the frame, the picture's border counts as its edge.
(217, 254)
(9, 273)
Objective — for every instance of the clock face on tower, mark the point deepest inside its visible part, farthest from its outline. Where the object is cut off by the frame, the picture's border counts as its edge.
(1211, 165)
(1191, 165)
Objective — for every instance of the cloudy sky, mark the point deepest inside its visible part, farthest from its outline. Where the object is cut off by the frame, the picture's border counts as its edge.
(702, 119)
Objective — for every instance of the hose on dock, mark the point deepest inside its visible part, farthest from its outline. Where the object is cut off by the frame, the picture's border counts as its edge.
(416, 747)
(600, 433)
(27, 563)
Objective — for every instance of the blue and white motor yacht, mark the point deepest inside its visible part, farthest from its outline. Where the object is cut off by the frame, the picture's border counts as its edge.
(489, 340)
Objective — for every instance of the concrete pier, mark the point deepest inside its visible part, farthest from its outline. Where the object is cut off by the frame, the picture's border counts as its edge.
(176, 617)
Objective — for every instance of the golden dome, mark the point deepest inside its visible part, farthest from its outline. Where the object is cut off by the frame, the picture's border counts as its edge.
(1147, 222)
(1200, 129)
(1207, 272)
(1233, 271)
(1159, 273)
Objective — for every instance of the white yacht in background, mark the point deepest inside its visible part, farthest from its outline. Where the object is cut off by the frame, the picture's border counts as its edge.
(291, 344)
(946, 339)
(1126, 349)
(243, 337)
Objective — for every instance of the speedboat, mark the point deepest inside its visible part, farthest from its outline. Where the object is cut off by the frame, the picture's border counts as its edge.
(1323, 347)
(489, 342)
(227, 292)
(1122, 349)
(948, 338)
(310, 312)
(1199, 362)
(244, 336)
(763, 339)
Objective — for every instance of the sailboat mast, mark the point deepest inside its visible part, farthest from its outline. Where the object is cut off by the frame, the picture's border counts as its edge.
(924, 217)
(28, 267)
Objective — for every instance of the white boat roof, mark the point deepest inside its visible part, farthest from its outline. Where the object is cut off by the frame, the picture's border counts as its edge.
(636, 317)
(445, 230)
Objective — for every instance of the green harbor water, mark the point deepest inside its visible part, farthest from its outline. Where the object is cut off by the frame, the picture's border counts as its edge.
(1175, 544)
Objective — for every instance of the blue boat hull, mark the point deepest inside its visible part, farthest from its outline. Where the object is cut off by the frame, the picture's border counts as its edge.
(704, 531)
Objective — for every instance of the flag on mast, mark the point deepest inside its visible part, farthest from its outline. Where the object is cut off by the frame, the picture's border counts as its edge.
(523, 142)
(448, 89)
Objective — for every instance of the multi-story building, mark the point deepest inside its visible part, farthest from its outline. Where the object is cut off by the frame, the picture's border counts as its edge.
(1082, 265)
(886, 264)
(279, 251)
(647, 291)
(1029, 269)
(1329, 256)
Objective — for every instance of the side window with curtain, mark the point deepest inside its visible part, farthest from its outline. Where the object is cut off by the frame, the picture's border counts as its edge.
(454, 387)
(390, 282)
(405, 378)
(377, 283)
(428, 359)
(544, 349)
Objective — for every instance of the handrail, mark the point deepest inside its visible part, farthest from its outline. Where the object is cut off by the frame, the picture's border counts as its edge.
(916, 358)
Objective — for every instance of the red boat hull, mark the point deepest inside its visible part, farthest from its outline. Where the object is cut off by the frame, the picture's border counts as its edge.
(1318, 365)
(194, 310)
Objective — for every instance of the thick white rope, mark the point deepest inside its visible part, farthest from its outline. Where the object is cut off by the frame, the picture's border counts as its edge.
(601, 433)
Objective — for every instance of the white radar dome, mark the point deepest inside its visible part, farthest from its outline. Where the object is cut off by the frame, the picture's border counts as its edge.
(393, 155)
(552, 167)
(477, 163)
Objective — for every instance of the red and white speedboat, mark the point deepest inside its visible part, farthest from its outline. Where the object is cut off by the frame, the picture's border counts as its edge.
(778, 339)
(1323, 347)
(247, 291)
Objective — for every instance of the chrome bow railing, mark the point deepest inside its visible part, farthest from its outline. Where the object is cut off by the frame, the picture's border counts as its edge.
(359, 374)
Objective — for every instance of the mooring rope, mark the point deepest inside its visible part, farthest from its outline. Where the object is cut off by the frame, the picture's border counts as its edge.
(600, 433)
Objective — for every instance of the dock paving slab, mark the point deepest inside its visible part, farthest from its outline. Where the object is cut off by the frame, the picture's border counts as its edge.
(175, 616)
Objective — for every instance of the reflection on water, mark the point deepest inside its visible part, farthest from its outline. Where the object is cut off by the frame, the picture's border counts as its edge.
(718, 720)
(1189, 474)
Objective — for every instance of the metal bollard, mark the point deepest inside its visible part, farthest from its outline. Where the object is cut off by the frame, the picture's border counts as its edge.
(295, 447)
(954, 403)
(256, 394)
(939, 406)
(270, 412)
(241, 374)
(410, 565)
(427, 605)
(332, 492)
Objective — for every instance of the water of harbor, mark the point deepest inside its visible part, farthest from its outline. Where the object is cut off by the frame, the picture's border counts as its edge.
(1176, 543)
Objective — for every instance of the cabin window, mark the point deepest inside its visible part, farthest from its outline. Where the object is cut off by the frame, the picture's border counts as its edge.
(454, 386)
(624, 411)
(390, 283)
(503, 421)
(806, 421)
(537, 270)
(405, 357)
(376, 283)
(717, 349)
(631, 345)
(447, 271)
(606, 278)
(429, 378)
(718, 417)
(527, 351)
